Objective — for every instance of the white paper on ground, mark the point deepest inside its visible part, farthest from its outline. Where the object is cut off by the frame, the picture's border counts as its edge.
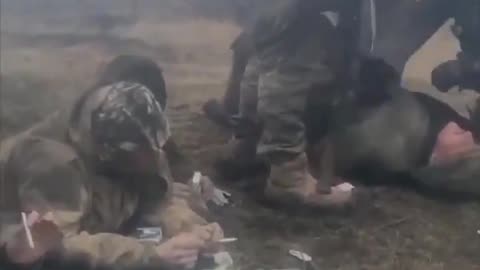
(300, 255)
(344, 187)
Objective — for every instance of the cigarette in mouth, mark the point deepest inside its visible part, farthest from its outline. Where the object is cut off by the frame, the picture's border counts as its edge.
(27, 231)
(227, 240)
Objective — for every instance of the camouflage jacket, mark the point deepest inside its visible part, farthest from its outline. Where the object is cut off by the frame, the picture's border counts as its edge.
(42, 172)
(296, 33)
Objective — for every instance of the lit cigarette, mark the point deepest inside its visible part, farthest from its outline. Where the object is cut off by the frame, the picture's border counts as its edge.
(227, 240)
(27, 231)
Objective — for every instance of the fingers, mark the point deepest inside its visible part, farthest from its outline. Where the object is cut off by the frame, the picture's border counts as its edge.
(211, 233)
(210, 192)
(182, 250)
(47, 233)
(217, 232)
(181, 257)
(188, 261)
(32, 218)
(221, 197)
(208, 232)
(181, 253)
(188, 241)
(203, 232)
(20, 252)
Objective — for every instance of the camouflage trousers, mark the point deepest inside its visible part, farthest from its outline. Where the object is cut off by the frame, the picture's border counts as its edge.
(279, 77)
(278, 95)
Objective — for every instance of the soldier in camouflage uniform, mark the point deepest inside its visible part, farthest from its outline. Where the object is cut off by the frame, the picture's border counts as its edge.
(109, 177)
(295, 50)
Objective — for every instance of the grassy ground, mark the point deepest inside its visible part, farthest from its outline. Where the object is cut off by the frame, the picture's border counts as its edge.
(396, 230)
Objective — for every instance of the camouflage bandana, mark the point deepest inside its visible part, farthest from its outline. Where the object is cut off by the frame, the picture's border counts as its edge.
(128, 117)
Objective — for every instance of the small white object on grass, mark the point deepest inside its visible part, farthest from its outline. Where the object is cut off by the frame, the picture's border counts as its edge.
(300, 255)
(223, 259)
(344, 187)
(27, 231)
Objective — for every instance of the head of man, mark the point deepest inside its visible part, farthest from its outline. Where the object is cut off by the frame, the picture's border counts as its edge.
(452, 142)
(374, 78)
(138, 69)
(129, 129)
(454, 163)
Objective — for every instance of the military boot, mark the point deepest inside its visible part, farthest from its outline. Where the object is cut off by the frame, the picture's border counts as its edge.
(291, 184)
(447, 75)
(463, 72)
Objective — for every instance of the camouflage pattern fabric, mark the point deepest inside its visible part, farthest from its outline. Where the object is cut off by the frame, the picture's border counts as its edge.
(307, 57)
(129, 116)
(118, 117)
(55, 175)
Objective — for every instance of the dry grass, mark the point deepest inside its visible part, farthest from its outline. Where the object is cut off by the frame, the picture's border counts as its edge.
(194, 54)
(200, 40)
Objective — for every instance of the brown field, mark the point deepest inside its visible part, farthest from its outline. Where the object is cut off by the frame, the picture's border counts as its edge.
(43, 70)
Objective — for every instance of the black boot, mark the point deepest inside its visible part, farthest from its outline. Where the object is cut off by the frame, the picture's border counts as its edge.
(447, 75)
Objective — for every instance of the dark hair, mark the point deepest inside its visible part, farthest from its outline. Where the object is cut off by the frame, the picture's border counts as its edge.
(374, 79)
(137, 69)
(132, 68)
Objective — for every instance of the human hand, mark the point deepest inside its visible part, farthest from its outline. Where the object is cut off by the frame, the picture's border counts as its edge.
(182, 250)
(204, 186)
(211, 234)
(45, 234)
